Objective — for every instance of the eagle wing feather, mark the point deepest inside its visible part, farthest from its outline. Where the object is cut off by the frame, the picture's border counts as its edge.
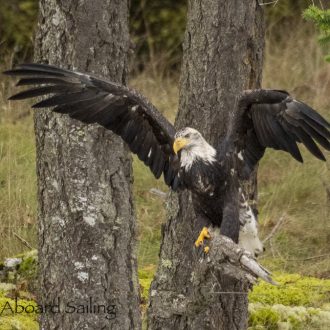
(273, 118)
(93, 100)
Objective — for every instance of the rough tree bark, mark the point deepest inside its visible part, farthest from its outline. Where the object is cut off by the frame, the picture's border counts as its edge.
(223, 52)
(86, 216)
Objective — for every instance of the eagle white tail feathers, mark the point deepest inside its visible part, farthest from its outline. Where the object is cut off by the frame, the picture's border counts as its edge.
(248, 235)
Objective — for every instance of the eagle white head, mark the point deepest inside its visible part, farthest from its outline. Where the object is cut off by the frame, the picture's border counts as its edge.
(192, 146)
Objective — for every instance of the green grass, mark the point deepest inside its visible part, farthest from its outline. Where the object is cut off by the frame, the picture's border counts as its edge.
(163, 92)
(17, 177)
(150, 212)
(298, 192)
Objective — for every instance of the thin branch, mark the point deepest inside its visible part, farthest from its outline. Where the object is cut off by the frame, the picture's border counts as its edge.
(23, 241)
(274, 3)
(158, 193)
(321, 4)
(231, 292)
(275, 229)
(311, 258)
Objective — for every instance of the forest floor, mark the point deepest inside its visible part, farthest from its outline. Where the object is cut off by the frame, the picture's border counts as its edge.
(296, 195)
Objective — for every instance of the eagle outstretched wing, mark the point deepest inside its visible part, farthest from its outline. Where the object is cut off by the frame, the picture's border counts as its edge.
(93, 100)
(273, 118)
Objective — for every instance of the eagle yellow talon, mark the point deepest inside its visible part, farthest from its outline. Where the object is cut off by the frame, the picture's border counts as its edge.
(206, 249)
(203, 234)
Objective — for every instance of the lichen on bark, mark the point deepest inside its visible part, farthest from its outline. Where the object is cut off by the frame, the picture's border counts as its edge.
(86, 215)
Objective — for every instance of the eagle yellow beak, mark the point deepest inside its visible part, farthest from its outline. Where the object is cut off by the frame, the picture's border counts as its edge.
(179, 143)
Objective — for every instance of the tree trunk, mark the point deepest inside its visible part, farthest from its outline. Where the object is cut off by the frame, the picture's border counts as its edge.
(223, 52)
(86, 216)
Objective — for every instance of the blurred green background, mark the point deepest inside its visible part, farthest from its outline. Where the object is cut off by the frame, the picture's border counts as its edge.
(156, 26)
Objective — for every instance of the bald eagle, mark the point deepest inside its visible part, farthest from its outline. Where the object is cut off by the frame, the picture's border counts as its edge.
(264, 118)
